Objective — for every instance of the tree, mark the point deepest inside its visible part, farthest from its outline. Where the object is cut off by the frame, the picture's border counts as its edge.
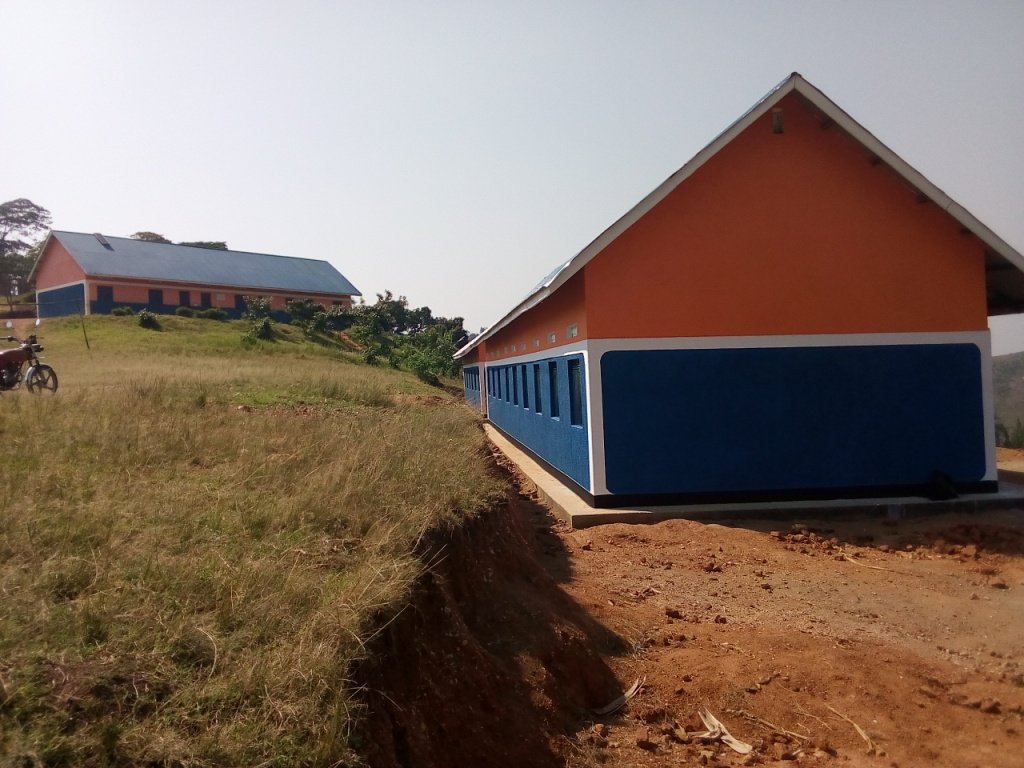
(1016, 436)
(155, 237)
(391, 332)
(20, 221)
(150, 237)
(213, 245)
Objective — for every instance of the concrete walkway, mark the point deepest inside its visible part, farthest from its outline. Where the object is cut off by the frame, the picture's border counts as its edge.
(578, 514)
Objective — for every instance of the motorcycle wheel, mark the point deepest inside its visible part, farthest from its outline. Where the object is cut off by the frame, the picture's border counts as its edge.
(40, 379)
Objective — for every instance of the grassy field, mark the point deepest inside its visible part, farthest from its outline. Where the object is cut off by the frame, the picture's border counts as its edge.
(197, 535)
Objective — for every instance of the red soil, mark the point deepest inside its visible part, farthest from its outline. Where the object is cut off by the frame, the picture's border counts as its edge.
(796, 635)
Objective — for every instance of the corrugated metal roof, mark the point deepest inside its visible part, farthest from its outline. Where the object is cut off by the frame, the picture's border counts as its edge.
(1004, 265)
(125, 257)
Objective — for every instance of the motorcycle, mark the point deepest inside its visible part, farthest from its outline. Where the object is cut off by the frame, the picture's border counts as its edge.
(39, 377)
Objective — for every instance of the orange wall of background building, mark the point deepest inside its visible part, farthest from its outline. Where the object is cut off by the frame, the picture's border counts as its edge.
(138, 293)
(57, 268)
(792, 233)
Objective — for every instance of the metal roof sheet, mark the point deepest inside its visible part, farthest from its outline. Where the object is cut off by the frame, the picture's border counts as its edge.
(126, 257)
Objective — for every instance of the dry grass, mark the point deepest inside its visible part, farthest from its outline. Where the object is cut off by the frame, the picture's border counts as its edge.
(193, 547)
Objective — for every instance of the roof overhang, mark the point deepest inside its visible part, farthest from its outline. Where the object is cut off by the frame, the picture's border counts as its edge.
(1004, 266)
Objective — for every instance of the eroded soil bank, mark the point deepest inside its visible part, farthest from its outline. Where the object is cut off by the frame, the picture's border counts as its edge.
(854, 642)
(493, 663)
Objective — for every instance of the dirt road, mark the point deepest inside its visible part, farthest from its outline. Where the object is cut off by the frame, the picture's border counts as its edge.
(850, 642)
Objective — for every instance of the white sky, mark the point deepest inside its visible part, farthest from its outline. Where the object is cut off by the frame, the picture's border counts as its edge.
(455, 152)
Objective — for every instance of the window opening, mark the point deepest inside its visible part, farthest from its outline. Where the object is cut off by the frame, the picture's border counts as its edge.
(575, 394)
(536, 388)
(553, 387)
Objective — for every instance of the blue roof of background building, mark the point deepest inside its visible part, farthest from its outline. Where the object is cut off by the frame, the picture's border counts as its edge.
(142, 259)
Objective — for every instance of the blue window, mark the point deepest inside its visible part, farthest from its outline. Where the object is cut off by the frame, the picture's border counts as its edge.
(575, 394)
(553, 387)
(515, 386)
(526, 388)
(536, 388)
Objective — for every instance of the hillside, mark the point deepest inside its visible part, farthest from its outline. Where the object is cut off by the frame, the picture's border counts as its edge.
(1008, 392)
(198, 534)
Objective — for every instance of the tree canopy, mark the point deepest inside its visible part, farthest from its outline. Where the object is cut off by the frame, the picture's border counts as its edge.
(213, 245)
(22, 224)
(389, 331)
(150, 237)
(405, 337)
(155, 237)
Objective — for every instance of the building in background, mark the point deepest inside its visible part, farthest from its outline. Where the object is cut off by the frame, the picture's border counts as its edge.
(794, 314)
(90, 273)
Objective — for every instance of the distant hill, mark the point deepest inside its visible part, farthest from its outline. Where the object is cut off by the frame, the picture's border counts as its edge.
(1008, 393)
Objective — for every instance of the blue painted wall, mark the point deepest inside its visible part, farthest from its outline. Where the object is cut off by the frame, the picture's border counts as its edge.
(106, 307)
(69, 300)
(471, 384)
(681, 421)
(563, 445)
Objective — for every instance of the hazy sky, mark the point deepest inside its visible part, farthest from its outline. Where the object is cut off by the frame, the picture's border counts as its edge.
(455, 152)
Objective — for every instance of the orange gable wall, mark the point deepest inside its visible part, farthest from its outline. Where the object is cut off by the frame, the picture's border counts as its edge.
(792, 233)
(56, 267)
(553, 315)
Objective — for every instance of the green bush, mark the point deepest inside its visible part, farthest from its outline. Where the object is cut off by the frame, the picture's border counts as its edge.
(1012, 437)
(148, 320)
(303, 311)
(256, 307)
(212, 313)
(123, 311)
(262, 329)
(185, 312)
